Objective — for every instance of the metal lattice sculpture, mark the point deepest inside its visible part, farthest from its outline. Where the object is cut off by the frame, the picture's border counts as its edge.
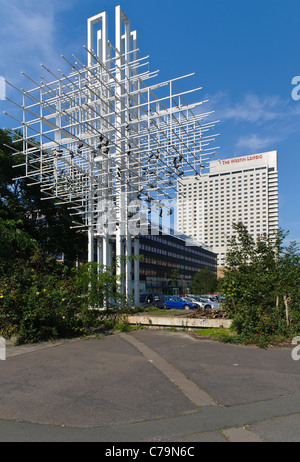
(109, 144)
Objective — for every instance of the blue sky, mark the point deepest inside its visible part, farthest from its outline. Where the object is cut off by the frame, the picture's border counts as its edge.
(244, 54)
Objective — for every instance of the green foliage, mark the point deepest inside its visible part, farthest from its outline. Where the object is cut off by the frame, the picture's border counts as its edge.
(24, 213)
(41, 299)
(231, 336)
(204, 282)
(262, 284)
(100, 283)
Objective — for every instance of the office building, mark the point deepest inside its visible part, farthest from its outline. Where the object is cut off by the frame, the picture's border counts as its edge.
(170, 262)
(240, 189)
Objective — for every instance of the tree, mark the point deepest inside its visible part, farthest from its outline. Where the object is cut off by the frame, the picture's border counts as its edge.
(289, 280)
(204, 282)
(262, 282)
(39, 297)
(21, 202)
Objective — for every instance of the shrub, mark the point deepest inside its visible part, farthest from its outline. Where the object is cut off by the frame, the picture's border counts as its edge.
(41, 304)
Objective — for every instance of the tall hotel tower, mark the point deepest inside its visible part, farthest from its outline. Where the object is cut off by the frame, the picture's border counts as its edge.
(238, 189)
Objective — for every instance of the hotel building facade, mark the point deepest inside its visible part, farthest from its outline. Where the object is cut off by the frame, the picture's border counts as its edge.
(240, 189)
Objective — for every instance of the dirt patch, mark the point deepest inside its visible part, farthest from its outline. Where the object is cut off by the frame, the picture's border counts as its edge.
(208, 313)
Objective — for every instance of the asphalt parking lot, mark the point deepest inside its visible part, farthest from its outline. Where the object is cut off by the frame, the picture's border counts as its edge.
(149, 386)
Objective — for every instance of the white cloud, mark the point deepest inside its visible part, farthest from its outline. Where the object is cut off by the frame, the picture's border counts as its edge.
(255, 109)
(256, 143)
(257, 122)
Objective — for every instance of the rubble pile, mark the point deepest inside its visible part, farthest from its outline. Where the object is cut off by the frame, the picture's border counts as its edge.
(209, 313)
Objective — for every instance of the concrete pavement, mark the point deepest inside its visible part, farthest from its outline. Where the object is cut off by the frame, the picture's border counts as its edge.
(150, 386)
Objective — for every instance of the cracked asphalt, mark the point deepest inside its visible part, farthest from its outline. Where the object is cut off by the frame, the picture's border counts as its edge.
(148, 386)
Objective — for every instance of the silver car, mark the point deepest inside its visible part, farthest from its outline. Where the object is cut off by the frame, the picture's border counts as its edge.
(195, 300)
(207, 303)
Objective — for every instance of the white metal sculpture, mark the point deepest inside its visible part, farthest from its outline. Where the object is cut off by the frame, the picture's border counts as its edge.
(112, 146)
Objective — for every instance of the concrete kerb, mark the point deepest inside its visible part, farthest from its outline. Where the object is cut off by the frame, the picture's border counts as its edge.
(178, 322)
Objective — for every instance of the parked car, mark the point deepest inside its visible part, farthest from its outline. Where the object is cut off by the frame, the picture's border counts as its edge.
(195, 300)
(174, 302)
(191, 296)
(210, 304)
(152, 299)
(213, 298)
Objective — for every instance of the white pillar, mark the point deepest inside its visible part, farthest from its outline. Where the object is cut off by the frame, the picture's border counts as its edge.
(136, 271)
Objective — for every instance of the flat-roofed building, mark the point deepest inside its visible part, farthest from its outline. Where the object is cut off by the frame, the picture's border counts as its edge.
(240, 189)
(171, 261)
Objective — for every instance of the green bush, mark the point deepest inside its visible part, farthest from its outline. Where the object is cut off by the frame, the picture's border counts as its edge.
(261, 285)
(41, 299)
(38, 304)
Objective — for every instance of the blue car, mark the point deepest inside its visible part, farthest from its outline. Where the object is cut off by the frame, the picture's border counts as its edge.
(173, 302)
